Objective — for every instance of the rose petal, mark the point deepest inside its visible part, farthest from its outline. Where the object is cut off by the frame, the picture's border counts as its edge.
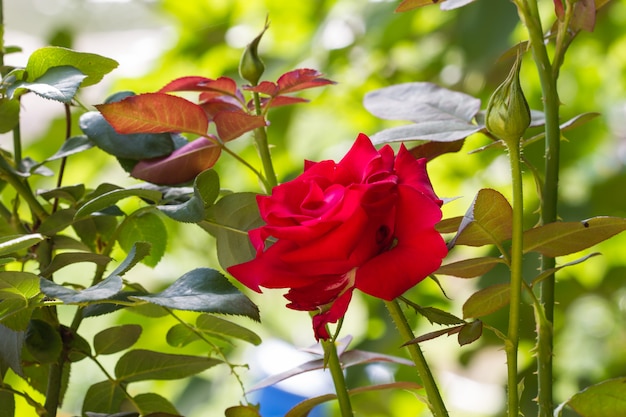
(418, 252)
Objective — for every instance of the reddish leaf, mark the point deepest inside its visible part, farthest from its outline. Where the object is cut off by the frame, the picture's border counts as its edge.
(282, 101)
(301, 79)
(223, 86)
(220, 104)
(193, 83)
(584, 15)
(558, 9)
(183, 165)
(431, 150)
(265, 87)
(232, 124)
(155, 113)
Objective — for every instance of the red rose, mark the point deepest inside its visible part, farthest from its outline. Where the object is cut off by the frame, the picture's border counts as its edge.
(366, 222)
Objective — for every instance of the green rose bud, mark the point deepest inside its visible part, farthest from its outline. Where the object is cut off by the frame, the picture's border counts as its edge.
(251, 66)
(508, 115)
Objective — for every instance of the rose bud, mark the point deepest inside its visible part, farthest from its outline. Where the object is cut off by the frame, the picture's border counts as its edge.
(181, 166)
(508, 115)
(251, 66)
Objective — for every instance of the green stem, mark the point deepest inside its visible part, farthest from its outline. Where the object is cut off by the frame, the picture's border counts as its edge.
(7, 174)
(512, 341)
(53, 392)
(549, 197)
(330, 352)
(260, 137)
(436, 404)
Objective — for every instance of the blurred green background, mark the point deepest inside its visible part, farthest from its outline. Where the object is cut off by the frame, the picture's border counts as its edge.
(363, 45)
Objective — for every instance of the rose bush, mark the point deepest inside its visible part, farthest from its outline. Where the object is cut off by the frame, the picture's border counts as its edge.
(366, 222)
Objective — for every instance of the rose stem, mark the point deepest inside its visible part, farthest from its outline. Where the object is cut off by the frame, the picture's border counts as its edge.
(512, 342)
(436, 404)
(529, 14)
(330, 350)
(262, 144)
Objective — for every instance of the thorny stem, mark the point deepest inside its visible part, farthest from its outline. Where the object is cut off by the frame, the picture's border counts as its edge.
(512, 342)
(436, 404)
(547, 75)
(330, 352)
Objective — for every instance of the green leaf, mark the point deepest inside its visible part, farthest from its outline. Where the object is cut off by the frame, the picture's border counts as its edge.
(134, 146)
(11, 342)
(144, 227)
(7, 399)
(18, 292)
(116, 339)
(153, 403)
(70, 193)
(212, 325)
(103, 397)
(204, 290)
(206, 188)
(14, 243)
(487, 301)
(470, 332)
(137, 252)
(470, 268)
(9, 114)
(229, 220)
(180, 335)
(242, 411)
(93, 66)
(548, 272)
(605, 399)
(155, 113)
(72, 146)
(439, 114)
(58, 83)
(489, 220)
(68, 258)
(110, 198)
(563, 238)
(43, 341)
(302, 409)
(432, 335)
(142, 365)
(102, 291)
(438, 316)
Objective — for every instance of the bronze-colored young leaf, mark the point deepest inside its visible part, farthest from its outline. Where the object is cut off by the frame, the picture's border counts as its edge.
(486, 301)
(469, 268)
(408, 5)
(155, 113)
(431, 150)
(562, 238)
(488, 221)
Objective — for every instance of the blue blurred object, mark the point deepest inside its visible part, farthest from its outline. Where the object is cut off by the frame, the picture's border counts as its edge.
(275, 402)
